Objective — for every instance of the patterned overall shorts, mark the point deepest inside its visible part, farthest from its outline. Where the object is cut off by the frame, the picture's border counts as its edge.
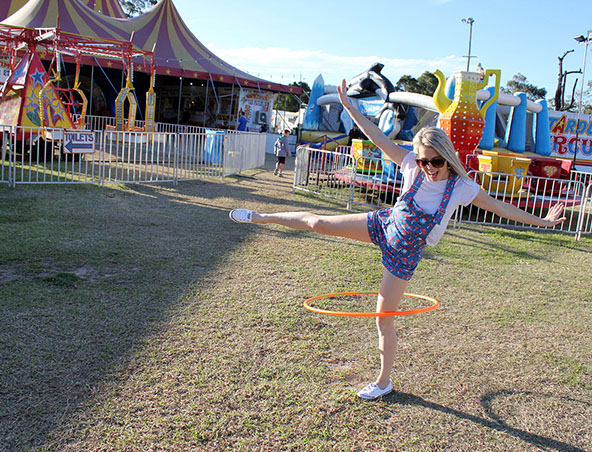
(401, 231)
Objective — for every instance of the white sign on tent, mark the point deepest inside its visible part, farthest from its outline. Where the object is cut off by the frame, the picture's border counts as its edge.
(257, 107)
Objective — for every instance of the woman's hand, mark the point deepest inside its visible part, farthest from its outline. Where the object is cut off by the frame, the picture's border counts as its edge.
(343, 98)
(554, 215)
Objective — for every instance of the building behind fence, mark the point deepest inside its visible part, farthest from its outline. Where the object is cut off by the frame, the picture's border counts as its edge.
(337, 175)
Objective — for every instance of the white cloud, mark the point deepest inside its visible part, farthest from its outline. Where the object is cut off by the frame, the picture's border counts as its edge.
(288, 65)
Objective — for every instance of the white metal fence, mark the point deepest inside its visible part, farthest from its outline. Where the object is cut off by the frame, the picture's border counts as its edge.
(97, 123)
(337, 175)
(534, 195)
(37, 156)
(375, 183)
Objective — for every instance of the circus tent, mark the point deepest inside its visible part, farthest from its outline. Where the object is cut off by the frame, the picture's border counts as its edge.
(177, 51)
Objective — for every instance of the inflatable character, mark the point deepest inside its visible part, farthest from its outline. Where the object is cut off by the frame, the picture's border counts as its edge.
(372, 83)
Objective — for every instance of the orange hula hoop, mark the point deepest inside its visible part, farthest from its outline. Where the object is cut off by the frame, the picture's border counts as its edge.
(307, 305)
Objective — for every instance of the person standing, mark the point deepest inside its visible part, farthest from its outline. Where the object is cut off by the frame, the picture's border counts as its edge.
(281, 149)
(355, 134)
(435, 184)
(242, 122)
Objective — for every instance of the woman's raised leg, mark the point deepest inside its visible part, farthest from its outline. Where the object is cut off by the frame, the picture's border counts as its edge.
(353, 226)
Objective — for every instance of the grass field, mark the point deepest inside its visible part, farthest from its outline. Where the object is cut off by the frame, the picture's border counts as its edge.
(139, 318)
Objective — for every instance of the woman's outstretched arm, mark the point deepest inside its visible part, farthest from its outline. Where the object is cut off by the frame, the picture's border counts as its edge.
(510, 211)
(393, 151)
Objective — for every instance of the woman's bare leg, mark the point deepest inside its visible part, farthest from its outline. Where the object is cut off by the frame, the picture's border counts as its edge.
(353, 226)
(390, 294)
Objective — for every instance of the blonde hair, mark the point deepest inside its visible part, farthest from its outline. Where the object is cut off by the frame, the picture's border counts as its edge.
(439, 141)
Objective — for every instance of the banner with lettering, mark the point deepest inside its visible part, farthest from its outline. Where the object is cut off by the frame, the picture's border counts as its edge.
(563, 126)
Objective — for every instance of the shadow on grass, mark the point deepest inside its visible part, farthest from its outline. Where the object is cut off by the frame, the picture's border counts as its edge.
(521, 241)
(92, 278)
(95, 275)
(496, 423)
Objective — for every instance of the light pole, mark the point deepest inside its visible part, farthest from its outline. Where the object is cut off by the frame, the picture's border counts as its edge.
(469, 20)
(585, 40)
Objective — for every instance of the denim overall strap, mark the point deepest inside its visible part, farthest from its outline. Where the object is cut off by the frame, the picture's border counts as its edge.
(416, 183)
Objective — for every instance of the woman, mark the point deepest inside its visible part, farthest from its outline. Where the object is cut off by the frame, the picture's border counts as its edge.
(435, 184)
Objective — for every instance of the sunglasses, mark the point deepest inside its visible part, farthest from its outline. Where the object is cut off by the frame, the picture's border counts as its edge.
(436, 162)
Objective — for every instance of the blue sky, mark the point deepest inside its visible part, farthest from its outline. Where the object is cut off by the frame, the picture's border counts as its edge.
(341, 39)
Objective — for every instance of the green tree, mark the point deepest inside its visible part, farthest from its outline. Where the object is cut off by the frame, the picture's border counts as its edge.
(425, 84)
(291, 102)
(519, 84)
(136, 7)
(408, 84)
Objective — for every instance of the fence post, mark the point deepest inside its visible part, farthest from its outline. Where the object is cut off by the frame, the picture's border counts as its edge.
(174, 139)
(352, 186)
(224, 153)
(580, 223)
(12, 158)
(100, 140)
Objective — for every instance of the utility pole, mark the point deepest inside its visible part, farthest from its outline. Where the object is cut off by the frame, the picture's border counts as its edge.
(470, 21)
(585, 40)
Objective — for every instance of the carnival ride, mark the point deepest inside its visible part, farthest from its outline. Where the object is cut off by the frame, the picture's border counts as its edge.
(32, 99)
(470, 116)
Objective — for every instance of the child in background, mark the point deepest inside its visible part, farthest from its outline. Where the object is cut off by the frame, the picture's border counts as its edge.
(281, 150)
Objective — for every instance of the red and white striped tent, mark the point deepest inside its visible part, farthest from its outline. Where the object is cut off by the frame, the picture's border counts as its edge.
(177, 52)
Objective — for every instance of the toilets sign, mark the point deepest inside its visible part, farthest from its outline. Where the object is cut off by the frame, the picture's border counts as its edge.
(79, 142)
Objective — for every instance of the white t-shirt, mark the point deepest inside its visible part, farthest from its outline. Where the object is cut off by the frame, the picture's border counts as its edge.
(429, 195)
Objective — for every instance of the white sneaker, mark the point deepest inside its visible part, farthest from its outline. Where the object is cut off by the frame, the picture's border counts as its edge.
(241, 215)
(373, 391)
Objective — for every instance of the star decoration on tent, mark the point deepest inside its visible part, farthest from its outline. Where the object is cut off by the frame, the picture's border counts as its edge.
(33, 99)
(31, 109)
(56, 110)
(37, 78)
